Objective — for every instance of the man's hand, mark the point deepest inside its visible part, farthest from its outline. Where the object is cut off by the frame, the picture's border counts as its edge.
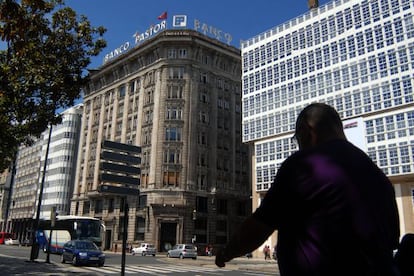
(221, 258)
(220, 262)
(247, 238)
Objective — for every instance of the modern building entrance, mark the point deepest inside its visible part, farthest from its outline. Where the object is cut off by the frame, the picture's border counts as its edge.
(108, 238)
(168, 236)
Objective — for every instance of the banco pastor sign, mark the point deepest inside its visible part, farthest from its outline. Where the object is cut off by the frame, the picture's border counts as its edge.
(139, 37)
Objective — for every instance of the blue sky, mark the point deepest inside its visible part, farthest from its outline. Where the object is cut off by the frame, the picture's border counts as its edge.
(242, 19)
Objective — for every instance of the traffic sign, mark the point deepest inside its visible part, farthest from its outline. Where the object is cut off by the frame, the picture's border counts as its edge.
(119, 179)
(119, 157)
(111, 189)
(113, 167)
(119, 168)
(121, 147)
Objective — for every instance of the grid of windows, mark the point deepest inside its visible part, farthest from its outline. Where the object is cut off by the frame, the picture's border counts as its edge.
(377, 64)
(359, 15)
(374, 37)
(359, 58)
(394, 158)
(389, 93)
(269, 157)
(390, 127)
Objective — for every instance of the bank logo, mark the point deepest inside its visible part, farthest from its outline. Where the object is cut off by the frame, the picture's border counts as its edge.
(180, 21)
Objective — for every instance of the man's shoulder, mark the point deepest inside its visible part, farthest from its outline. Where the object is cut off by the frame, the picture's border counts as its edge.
(333, 150)
(293, 159)
(336, 148)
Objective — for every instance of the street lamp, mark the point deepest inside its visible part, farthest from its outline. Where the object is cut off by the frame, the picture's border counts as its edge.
(193, 239)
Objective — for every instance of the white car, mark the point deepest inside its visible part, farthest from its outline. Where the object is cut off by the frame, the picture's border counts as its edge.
(144, 249)
(11, 242)
(183, 251)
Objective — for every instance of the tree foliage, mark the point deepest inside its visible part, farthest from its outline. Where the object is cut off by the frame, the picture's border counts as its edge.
(43, 67)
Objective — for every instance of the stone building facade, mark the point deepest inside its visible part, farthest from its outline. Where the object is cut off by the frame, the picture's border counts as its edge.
(177, 96)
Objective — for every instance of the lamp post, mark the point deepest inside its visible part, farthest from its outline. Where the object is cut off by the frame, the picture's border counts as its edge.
(34, 252)
(194, 217)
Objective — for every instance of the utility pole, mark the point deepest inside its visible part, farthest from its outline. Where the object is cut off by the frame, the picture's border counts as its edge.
(124, 236)
(34, 252)
(52, 226)
(119, 175)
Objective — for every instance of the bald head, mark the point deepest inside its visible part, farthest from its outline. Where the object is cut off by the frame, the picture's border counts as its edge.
(316, 124)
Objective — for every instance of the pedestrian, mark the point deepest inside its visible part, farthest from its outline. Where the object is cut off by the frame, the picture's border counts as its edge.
(334, 209)
(266, 252)
(404, 255)
(274, 253)
(210, 250)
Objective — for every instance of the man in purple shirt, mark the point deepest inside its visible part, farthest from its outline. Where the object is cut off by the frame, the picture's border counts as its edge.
(334, 209)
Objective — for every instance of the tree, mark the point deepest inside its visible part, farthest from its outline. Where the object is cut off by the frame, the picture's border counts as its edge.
(42, 69)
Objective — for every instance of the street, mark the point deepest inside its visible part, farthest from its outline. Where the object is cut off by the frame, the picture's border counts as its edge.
(14, 260)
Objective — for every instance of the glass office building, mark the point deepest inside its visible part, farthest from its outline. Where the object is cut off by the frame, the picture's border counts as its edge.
(58, 180)
(357, 56)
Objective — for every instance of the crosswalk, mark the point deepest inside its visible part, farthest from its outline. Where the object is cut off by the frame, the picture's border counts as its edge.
(154, 269)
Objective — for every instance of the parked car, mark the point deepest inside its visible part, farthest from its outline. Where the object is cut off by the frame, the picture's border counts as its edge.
(82, 252)
(183, 251)
(11, 241)
(27, 242)
(144, 249)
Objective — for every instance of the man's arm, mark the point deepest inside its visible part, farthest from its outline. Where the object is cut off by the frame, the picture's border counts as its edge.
(251, 234)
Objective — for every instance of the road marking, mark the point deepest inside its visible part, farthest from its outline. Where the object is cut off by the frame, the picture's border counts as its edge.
(155, 269)
(255, 274)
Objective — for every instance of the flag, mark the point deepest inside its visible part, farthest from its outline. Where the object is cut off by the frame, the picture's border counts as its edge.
(162, 16)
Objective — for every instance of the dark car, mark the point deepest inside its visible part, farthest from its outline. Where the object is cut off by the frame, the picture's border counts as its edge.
(82, 252)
